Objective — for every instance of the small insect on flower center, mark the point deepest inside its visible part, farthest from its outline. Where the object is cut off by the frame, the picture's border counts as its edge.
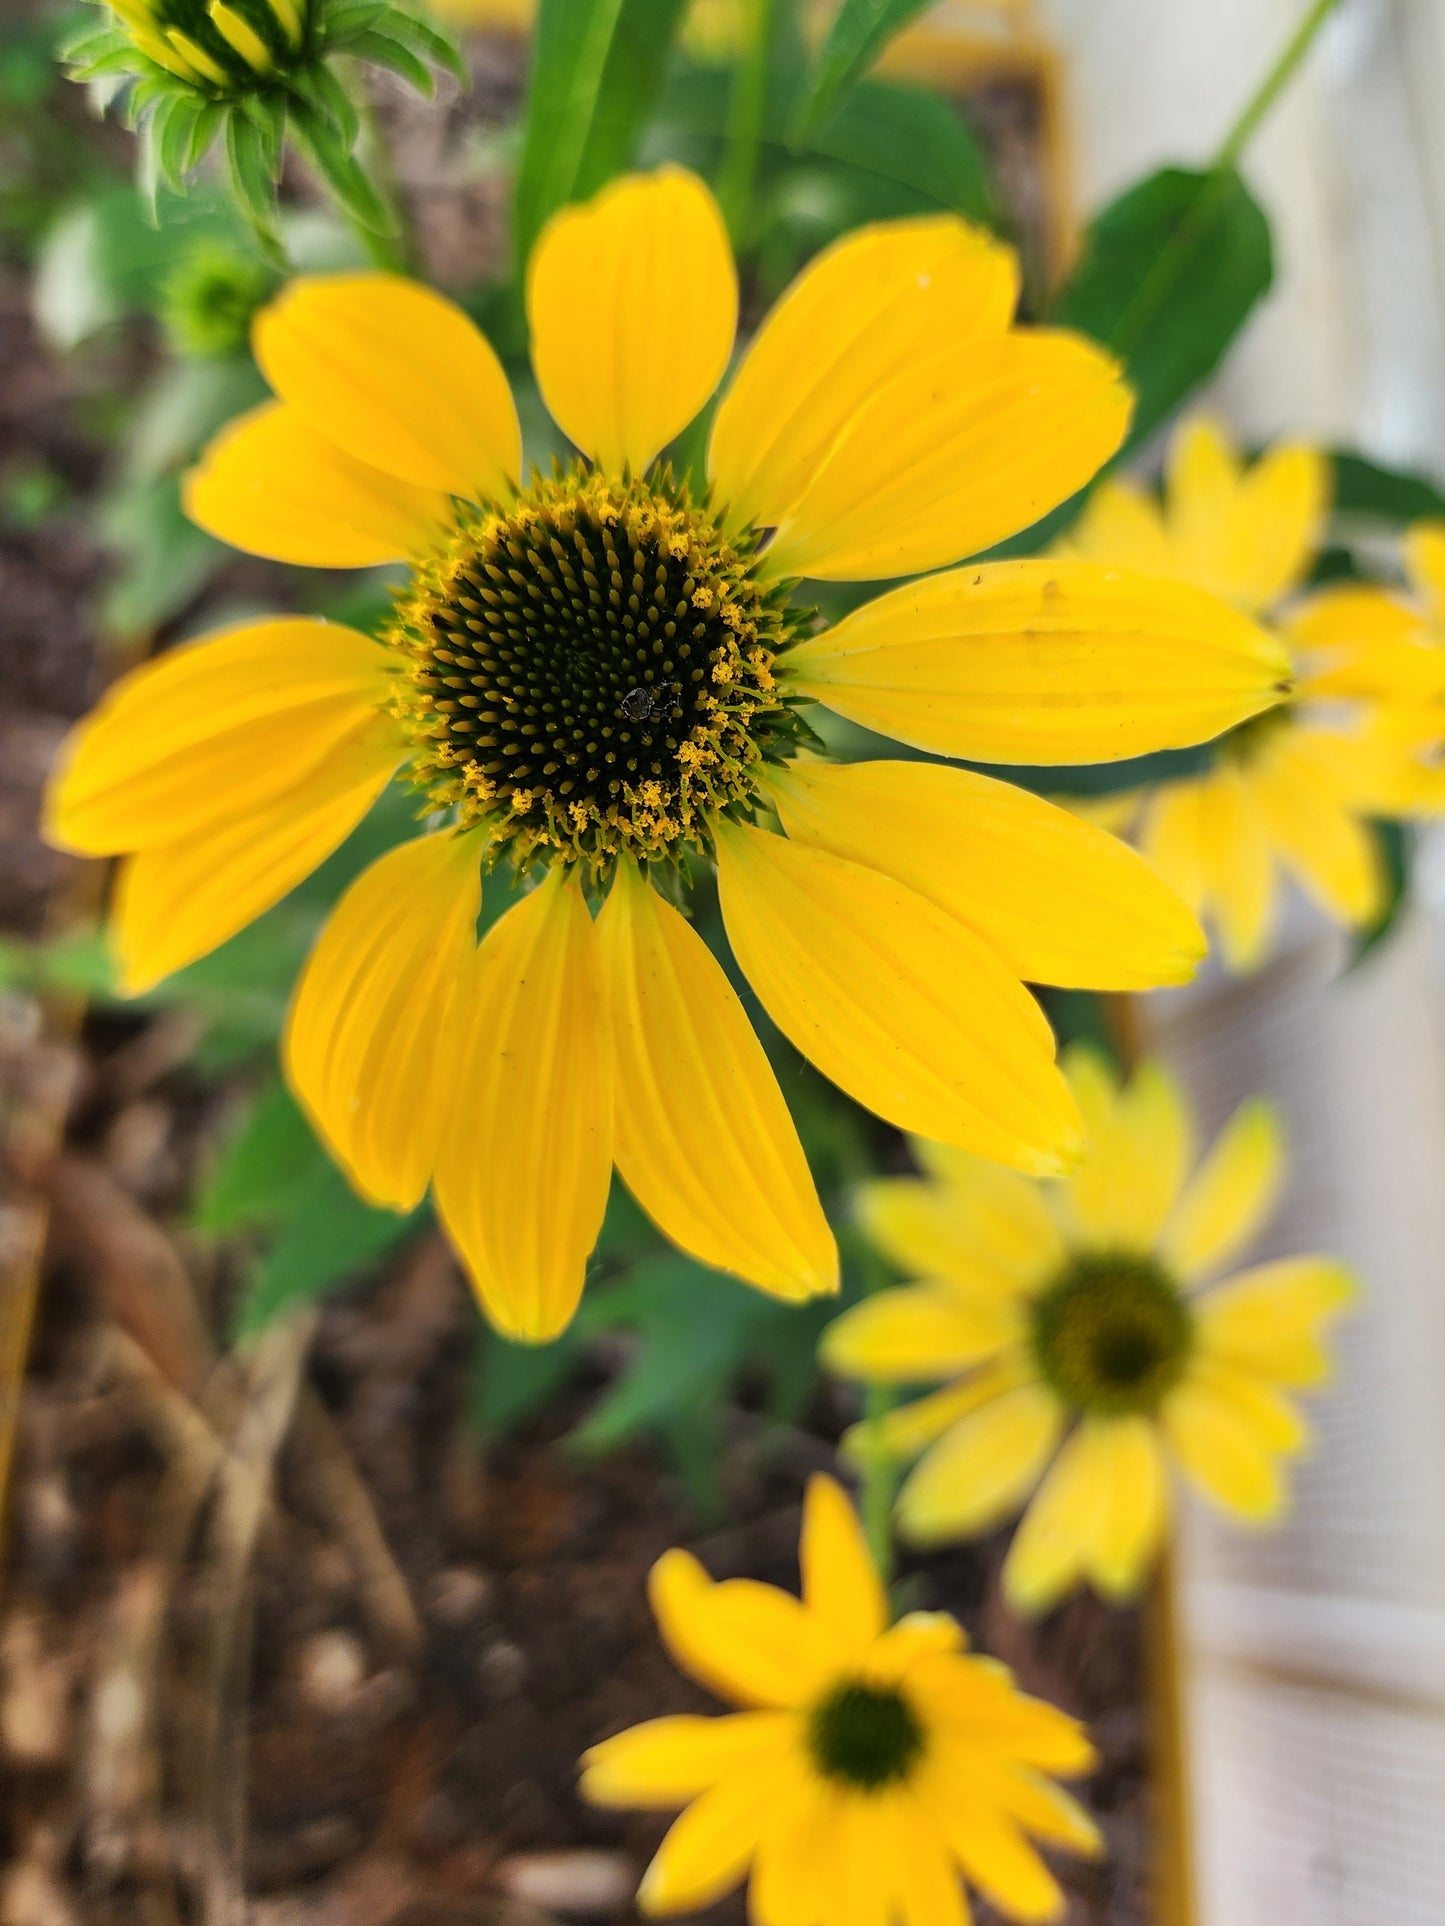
(590, 671)
(865, 1736)
(1112, 1334)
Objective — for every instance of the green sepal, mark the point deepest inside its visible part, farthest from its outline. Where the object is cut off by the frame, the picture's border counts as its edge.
(339, 25)
(338, 167)
(425, 40)
(252, 180)
(383, 51)
(319, 87)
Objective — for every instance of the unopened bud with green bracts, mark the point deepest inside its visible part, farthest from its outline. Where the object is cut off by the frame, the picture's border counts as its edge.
(249, 74)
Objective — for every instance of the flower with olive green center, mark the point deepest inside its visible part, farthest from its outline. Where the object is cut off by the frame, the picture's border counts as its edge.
(1086, 1346)
(597, 685)
(878, 1768)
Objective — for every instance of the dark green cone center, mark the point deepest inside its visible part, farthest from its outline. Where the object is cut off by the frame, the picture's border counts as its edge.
(1112, 1334)
(865, 1736)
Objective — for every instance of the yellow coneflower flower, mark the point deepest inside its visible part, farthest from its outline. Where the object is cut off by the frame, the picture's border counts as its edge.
(219, 45)
(877, 1767)
(1289, 791)
(1089, 1356)
(599, 678)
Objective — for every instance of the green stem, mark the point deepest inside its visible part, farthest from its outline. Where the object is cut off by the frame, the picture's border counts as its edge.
(737, 181)
(879, 1482)
(1262, 100)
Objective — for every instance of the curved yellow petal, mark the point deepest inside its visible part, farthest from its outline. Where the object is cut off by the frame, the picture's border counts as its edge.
(710, 1847)
(1139, 1148)
(523, 1167)
(926, 1886)
(369, 1046)
(210, 731)
(905, 1430)
(1051, 1549)
(955, 451)
(799, 1841)
(1271, 1320)
(666, 1762)
(857, 317)
(1230, 1194)
(1043, 662)
(1170, 838)
(1237, 865)
(177, 901)
(1223, 1448)
(397, 376)
(1131, 1502)
(272, 485)
(1121, 527)
(915, 1333)
(990, 1847)
(1202, 472)
(1335, 857)
(1277, 523)
(985, 1228)
(977, 1707)
(704, 1139)
(745, 1641)
(898, 1003)
(841, 1585)
(632, 300)
(1058, 900)
(983, 1468)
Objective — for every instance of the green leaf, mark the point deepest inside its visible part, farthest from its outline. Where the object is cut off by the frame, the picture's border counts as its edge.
(174, 134)
(1393, 495)
(915, 140)
(263, 1174)
(597, 67)
(1394, 842)
(515, 1381)
(860, 30)
(1170, 273)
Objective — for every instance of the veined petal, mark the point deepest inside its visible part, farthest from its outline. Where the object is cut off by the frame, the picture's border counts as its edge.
(898, 1003)
(1138, 1154)
(397, 376)
(1335, 857)
(666, 1762)
(983, 1468)
(1272, 1319)
(369, 1045)
(748, 1642)
(878, 300)
(211, 731)
(956, 450)
(974, 1224)
(525, 1161)
(1058, 900)
(841, 1585)
(1237, 864)
(1043, 662)
(632, 300)
(704, 1138)
(917, 1333)
(1230, 1194)
(176, 901)
(272, 485)
(709, 1848)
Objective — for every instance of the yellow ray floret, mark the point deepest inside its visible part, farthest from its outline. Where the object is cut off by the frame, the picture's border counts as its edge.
(876, 1770)
(1085, 1355)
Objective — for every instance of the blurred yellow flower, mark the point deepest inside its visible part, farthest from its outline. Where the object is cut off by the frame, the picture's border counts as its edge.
(877, 1764)
(600, 678)
(1085, 1354)
(1291, 790)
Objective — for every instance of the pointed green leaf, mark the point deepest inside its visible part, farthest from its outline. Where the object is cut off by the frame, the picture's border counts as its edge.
(861, 29)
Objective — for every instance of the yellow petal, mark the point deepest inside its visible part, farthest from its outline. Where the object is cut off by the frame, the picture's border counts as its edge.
(1057, 899)
(1335, 858)
(1236, 864)
(272, 485)
(1131, 1502)
(708, 1850)
(1135, 1164)
(974, 1224)
(1272, 1319)
(748, 1642)
(953, 452)
(1052, 1546)
(369, 1046)
(1170, 837)
(1202, 481)
(926, 1886)
(904, 1431)
(841, 1585)
(704, 1139)
(177, 901)
(1230, 1194)
(1277, 523)
(976, 1706)
(1424, 547)
(898, 1003)
(397, 376)
(210, 731)
(1044, 1810)
(1121, 526)
(524, 1164)
(1223, 1448)
(919, 1332)
(633, 303)
(982, 1469)
(1043, 662)
(800, 1837)
(991, 1849)
(666, 1762)
(856, 319)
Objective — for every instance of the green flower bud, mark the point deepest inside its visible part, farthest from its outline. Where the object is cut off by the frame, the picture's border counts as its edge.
(209, 298)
